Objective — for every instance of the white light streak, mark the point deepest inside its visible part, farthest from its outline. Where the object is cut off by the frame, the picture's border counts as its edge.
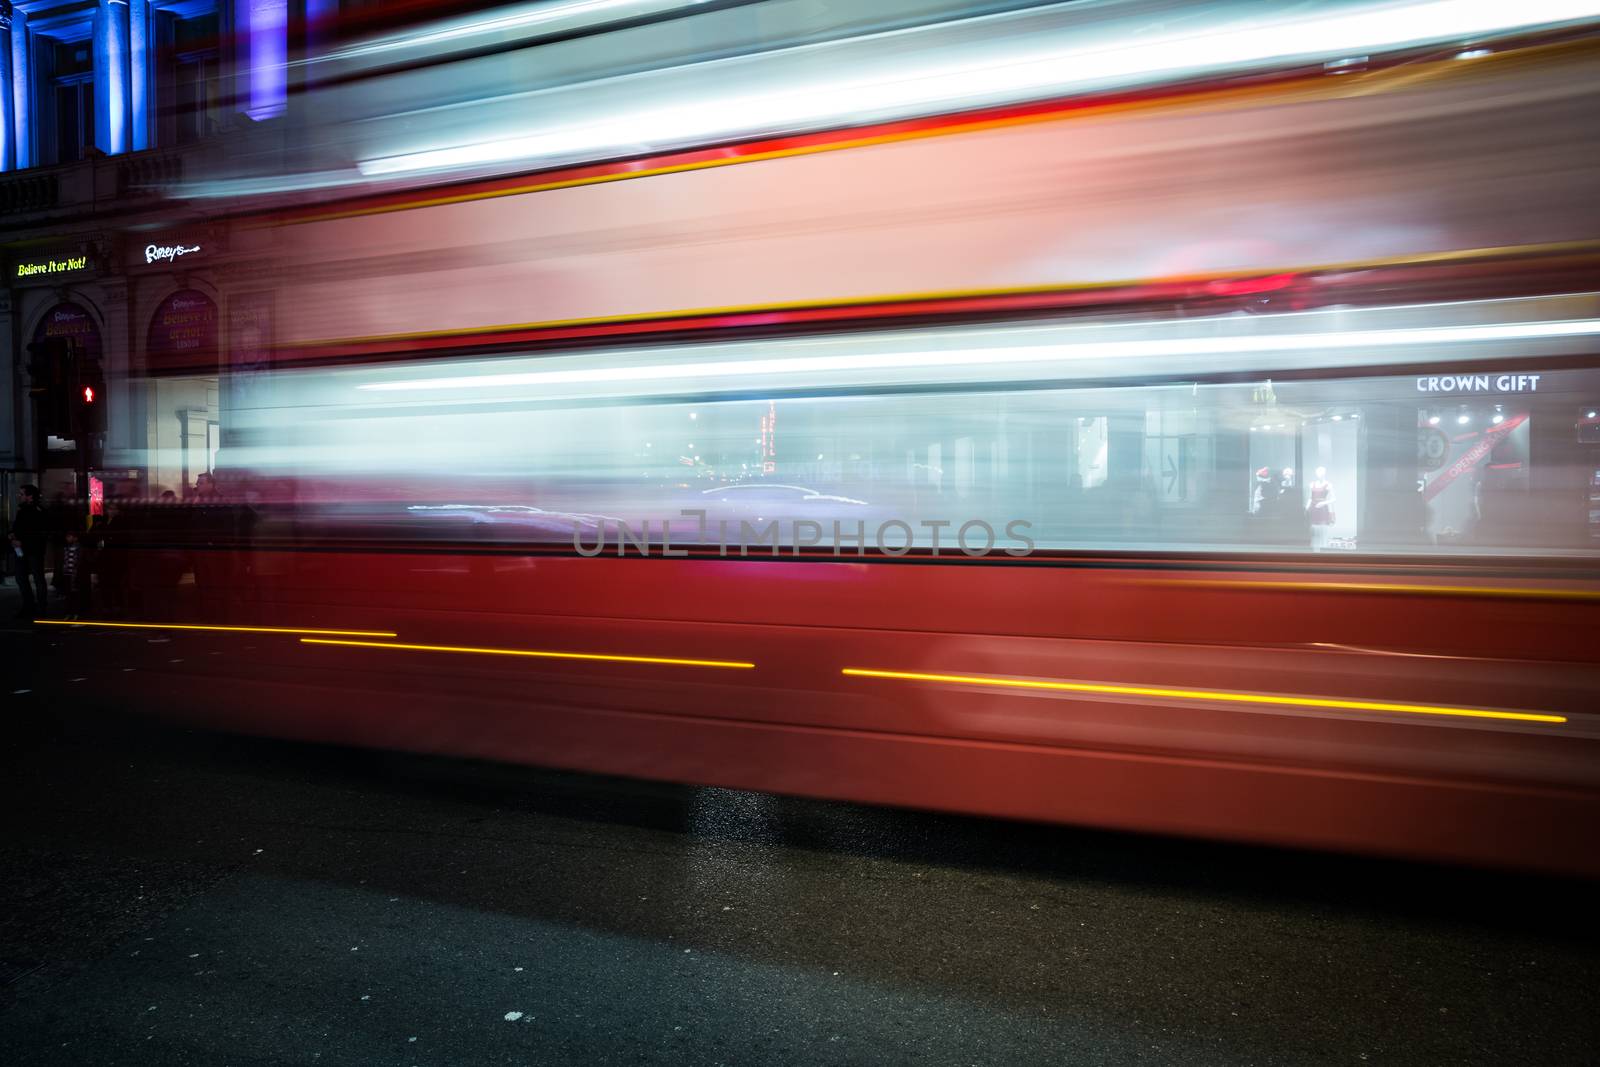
(973, 357)
(833, 96)
(544, 16)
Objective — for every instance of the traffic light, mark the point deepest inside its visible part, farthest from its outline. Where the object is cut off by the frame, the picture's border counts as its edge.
(89, 399)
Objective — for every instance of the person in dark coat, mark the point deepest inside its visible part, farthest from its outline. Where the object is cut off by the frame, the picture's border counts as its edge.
(210, 536)
(30, 538)
(108, 556)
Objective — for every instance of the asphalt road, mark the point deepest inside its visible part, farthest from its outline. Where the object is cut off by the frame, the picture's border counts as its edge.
(181, 898)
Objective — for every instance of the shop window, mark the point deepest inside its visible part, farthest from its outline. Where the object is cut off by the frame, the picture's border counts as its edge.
(1332, 463)
(1588, 424)
(1331, 477)
(1274, 464)
(1475, 477)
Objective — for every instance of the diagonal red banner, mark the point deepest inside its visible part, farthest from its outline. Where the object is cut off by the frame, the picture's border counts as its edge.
(1473, 456)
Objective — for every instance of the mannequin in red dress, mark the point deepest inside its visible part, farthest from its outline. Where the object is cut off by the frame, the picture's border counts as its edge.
(1320, 509)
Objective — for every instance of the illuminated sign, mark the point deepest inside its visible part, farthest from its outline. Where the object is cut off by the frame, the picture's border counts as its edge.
(1479, 383)
(183, 333)
(71, 323)
(156, 253)
(65, 265)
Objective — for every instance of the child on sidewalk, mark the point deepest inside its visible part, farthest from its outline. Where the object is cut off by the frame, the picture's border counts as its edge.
(75, 576)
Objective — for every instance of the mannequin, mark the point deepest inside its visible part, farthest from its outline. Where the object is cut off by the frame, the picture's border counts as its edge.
(1320, 508)
(1262, 492)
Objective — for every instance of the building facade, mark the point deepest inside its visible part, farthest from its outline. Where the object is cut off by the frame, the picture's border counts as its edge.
(105, 105)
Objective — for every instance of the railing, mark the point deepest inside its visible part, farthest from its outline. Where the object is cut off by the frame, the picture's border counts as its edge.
(33, 192)
(50, 190)
(147, 173)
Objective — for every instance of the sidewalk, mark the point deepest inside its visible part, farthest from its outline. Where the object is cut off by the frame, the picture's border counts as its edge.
(177, 602)
(11, 602)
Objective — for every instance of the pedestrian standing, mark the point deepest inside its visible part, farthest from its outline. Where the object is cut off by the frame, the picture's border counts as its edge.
(74, 575)
(30, 538)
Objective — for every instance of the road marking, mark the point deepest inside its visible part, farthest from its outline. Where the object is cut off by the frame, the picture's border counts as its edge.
(1209, 695)
(216, 629)
(533, 653)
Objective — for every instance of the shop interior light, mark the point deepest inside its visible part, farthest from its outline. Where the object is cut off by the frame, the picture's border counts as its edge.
(1463, 418)
(1433, 420)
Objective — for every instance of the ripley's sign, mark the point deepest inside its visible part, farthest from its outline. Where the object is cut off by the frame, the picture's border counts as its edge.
(154, 253)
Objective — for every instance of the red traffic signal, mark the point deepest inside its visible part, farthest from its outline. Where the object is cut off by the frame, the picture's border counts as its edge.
(90, 386)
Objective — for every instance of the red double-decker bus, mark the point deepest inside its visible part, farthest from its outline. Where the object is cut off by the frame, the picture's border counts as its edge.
(1222, 461)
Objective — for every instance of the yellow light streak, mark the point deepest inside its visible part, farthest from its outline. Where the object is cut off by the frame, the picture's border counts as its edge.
(214, 629)
(1202, 694)
(534, 653)
(1498, 592)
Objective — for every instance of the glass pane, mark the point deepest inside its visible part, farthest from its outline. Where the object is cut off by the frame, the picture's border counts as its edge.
(68, 124)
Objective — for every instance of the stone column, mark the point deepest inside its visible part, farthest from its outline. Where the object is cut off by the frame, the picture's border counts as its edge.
(141, 95)
(112, 125)
(21, 57)
(8, 121)
(261, 30)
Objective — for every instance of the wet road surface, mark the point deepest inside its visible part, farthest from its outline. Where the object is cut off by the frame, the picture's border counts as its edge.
(175, 897)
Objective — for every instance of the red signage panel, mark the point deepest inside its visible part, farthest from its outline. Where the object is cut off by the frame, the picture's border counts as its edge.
(183, 335)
